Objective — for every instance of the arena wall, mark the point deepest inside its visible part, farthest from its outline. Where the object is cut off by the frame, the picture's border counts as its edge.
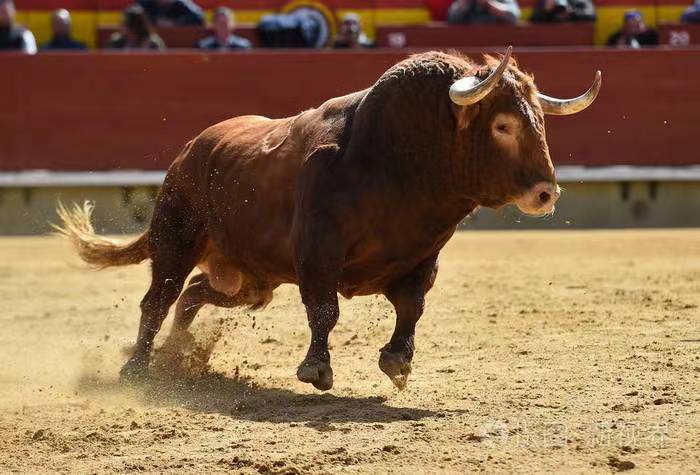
(130, 114)
(135, 111)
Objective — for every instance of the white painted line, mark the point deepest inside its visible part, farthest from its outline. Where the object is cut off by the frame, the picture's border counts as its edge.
(627, 173)
(565, 174)
(45, 178)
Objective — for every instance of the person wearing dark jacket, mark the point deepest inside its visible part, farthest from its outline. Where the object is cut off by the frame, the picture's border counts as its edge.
(555, 11)
(634, 33)
(12, 36)
(60, 27)
(137, 32)
(350, 34)
(172, 12)
(484, 11)
(223, 38)
(692, 13)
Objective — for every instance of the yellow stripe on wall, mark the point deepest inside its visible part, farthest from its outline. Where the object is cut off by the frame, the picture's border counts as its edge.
(670, 13)
(371, 18)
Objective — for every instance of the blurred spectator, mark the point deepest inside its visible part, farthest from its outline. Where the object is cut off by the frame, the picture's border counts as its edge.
(692, 13)
(137, 32)
(172, 12)
(553, 11)
(438, 9)
(223, 37)
(13, 36)
(484, 11)
(297, 29)
(634, 32)
(61, 37)
(350, 34)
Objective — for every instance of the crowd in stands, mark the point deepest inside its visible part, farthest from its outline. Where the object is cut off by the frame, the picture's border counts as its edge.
(138, 30)
(557, 11)
(483, 11)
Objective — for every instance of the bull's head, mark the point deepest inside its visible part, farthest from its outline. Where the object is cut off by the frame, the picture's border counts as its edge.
(500, 116)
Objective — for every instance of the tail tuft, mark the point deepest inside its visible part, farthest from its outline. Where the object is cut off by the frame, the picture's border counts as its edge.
(97, 251)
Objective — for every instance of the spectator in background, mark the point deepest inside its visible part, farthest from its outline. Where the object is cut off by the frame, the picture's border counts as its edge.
(554, 11)
(61, 36)
(301, 28)
(223, 37)
(172, 12)
(692, 13)
(634, 32)
(12, 36)
(350, 34)
(484, 11)
(137, 32)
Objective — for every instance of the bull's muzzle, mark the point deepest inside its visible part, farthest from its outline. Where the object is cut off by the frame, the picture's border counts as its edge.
(540, 199)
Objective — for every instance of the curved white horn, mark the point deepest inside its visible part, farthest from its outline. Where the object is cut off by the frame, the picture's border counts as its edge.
(552, 105)
(469, 90)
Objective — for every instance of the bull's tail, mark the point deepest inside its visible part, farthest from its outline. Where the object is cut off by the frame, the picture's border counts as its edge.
(97, 251)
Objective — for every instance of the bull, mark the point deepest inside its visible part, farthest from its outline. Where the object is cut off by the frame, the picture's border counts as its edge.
(356, 197)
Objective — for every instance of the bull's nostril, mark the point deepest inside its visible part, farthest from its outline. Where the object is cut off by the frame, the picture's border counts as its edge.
(544, 197)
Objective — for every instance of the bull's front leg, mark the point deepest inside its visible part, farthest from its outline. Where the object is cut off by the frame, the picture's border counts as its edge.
(319, 261)
(316, 367)
(407, 295)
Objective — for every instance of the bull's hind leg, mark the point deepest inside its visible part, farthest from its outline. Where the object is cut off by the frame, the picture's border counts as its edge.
(195, 296)
(199, 292)
(408, 297)
(175, 243)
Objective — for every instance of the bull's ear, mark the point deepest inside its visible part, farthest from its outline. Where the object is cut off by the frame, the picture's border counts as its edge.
(465, 114)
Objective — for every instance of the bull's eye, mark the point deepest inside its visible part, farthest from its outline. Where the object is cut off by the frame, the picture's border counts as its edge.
(505, 124)
(505, 130)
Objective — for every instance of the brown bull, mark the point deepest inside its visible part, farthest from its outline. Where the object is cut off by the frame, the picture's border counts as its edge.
(357, 196)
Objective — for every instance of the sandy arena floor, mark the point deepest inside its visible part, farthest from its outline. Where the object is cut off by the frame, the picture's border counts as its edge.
(556, 351)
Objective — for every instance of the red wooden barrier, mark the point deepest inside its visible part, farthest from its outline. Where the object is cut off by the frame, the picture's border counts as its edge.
(679, 34)
(135, 111)
(179, 36)
(442, 35)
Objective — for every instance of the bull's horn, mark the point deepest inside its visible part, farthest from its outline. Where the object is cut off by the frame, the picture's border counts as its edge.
(469, 90)
(552, 105)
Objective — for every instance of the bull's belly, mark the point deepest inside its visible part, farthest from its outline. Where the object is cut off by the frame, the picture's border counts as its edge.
(245, 249)
(374, 276)
(230, 260)
(228, 273)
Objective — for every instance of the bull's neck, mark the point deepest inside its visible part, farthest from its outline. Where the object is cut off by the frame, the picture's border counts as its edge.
(436, 193)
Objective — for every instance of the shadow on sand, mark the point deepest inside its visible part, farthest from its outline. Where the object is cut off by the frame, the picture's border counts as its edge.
(242, 398)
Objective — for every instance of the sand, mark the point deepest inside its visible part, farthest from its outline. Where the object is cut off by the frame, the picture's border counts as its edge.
(538, 352)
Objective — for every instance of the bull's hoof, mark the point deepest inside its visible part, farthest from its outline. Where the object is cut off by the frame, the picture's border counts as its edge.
(317, 372)
(134, 372)
(396, 366)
